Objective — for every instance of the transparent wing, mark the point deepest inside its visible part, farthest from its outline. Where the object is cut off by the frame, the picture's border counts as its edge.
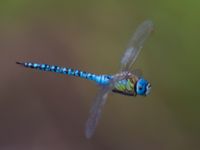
(95, 112)
(135, 45)
(137, 72)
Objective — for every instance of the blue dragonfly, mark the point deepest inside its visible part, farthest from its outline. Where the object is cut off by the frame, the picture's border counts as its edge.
(127, 81)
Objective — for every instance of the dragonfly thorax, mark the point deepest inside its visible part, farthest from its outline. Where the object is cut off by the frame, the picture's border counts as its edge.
(127, 86)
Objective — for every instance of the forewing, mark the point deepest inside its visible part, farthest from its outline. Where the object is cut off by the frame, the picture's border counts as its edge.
(137, 72)
(95, 112)
(135, 45)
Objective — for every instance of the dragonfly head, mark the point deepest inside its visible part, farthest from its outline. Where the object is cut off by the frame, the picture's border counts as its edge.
(143, 87)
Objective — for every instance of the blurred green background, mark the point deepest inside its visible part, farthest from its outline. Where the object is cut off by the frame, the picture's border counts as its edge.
(48, 111)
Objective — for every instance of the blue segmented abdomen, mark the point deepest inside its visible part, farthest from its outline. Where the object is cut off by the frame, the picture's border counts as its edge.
(99, 79)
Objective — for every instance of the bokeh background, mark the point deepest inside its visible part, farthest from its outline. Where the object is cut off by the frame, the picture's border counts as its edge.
(46, 111)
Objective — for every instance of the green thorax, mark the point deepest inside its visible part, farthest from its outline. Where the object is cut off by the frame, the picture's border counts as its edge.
(126, 86)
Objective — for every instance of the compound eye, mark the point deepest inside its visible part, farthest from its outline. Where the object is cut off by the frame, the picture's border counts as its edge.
(140, 87)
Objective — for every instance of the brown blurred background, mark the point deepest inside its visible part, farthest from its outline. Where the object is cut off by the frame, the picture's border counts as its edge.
(46, 111)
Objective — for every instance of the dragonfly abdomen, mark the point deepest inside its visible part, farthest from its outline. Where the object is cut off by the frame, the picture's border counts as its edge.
(99, 79)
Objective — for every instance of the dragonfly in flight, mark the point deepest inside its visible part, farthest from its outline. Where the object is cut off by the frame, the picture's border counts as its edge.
(127, 81)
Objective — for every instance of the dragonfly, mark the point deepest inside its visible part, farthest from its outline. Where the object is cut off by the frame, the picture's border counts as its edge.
(127, 81)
